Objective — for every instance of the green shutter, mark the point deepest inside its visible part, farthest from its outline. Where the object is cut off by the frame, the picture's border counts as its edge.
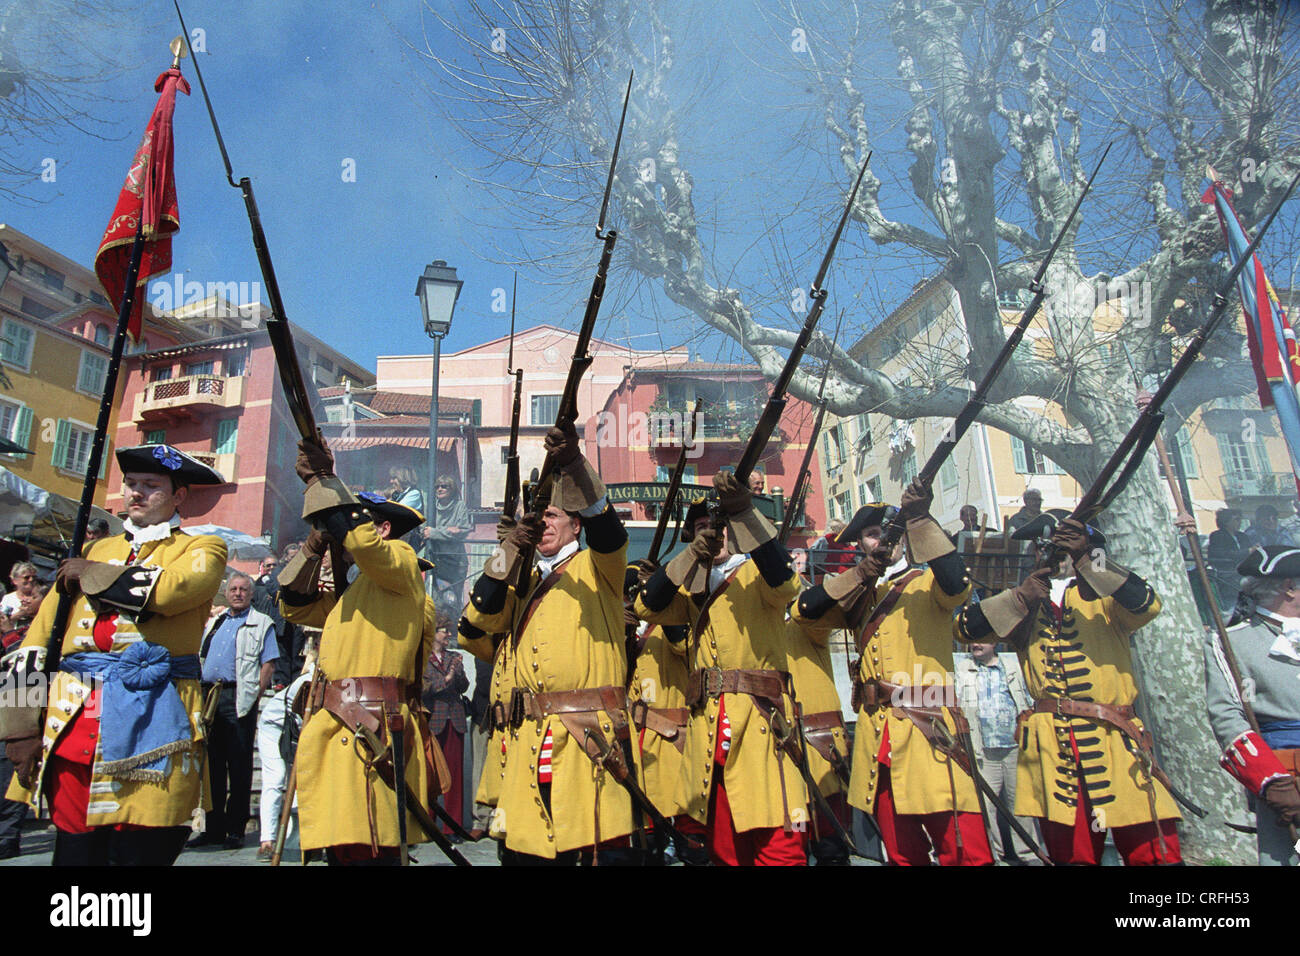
(103, 460)
(23, 426)
(227, 436)
(61, 435)
(1018, 453)
(476, 416)
(1186, 456)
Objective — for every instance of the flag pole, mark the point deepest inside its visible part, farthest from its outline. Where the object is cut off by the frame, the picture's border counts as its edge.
(63, 609)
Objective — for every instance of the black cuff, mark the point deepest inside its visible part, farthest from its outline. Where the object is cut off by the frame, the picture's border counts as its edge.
(973, 626)
(467, 630)
(814, 603)
(489, 595)
(339, 521)
(675, 632)
(605, 533)
(1134, 594)
(950, 573)
(658, 591)
(297, 598)
(773, 562)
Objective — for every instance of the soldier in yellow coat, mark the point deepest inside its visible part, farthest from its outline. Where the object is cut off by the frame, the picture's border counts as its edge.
(121, 789)
(495, 650)
(557, 804)
(738, 781)
(903, 772)
(1085, 758)
(372, 647)
(820, 715)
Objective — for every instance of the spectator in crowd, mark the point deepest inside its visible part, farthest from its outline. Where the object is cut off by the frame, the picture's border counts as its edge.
(13, 627)
(1033, 508)
(480, 714)
(444, 532)
(1224, 550)
(445, 684)
(289, 641)
(991, 689)
(757, 481)
(1264, 530)
(23, 576)
(238, 660)
(402, 489)
(1290, 525)
(98, 528)
(826, 556)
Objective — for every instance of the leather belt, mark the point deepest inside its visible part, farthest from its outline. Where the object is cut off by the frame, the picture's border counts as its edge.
(585, 701)
(1290, 758)
(360, 701)
(872, 694)
(714, 682)
(667, 722)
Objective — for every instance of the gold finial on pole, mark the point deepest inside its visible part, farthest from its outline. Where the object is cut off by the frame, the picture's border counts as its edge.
(177, 46)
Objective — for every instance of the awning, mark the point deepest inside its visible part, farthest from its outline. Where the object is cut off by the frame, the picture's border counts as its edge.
(446, 443)
(44, 514)
(1232, 420)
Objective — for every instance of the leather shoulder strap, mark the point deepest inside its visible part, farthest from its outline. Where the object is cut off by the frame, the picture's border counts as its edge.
(703, 618)
(539, 592)
(868, 630)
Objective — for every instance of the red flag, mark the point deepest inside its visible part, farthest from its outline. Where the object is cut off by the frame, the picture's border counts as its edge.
(148, 195)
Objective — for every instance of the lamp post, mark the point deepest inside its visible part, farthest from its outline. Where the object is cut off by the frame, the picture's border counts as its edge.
(437, 289)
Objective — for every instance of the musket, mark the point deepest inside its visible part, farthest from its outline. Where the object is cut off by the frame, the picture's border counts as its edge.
(277, 326)
(1128, 455)
(510, 502)
(892, 532)
(674, 484)
(795, 503)
(582, 359)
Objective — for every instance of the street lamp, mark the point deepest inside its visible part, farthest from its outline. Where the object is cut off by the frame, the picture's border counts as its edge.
(437, 289)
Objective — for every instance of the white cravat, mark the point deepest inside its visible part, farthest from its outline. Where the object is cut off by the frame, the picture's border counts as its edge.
(153, 532)
(547, 565)
(718, 572)
(1287, 645)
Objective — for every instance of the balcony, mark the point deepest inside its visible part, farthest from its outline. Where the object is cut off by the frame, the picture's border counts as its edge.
(1274, 484)
(726, 425)
(188, 398)
(225, 465)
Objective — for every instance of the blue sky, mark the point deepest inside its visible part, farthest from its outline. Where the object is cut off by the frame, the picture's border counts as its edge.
(301, 88)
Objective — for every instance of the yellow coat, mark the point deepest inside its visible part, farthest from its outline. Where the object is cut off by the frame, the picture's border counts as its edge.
(745, 630)
(1086, 658)
(913, 647)
(377, 629)
(193, 566)
(660, 681)
(573, 641)
(502, 686)
(814, 688)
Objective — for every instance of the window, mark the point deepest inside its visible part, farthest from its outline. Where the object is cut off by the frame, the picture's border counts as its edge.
(36, 310)
(102, 335)
(1182, 455)
(908, 468)
(227, 435)
(16, 348)
(72, 442)
(1030, 461)
(200, 368)
(51, 278)
(845, 503)
(833, 444)
(873, 486)
(15, 424)
(865, 441)
(544, 409)
(93, 373)
(235, 364)
(98, 297)
(948, 477)
(1240, 459)
(505, 454)
(160, 373)
(156, 437)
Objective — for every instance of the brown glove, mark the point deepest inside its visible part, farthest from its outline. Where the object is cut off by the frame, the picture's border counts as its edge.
(1072, 538)
(645, 570)
(847, 585)
(504, 527)
(877, 562)
(68, 577)
(527, 533)
(684, 570)
(24, 753)
(315, 460)
(1007, 610)
(733, 497)
(917, 498)
(317, 543)
(1034, 590)
(1283, 796)
(562, 442)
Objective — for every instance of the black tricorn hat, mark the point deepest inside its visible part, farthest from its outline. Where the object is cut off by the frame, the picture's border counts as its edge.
(699, 508)
(166, 460)
(876, 513)
(403, 519)
(1270, 561)
(425, 565)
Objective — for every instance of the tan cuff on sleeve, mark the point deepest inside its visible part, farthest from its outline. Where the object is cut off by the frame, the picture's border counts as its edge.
(1103, 575)
(578, 486)
(926, 540)
(748, 531)
(845, 584)
(325, 493)
(301, 574)
(685, 571)
(502, 563)
(1005, 612)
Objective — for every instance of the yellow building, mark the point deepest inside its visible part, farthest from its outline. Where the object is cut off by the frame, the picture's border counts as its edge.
(1230, 450)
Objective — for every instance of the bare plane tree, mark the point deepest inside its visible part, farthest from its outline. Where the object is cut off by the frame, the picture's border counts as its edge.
(998, 109)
